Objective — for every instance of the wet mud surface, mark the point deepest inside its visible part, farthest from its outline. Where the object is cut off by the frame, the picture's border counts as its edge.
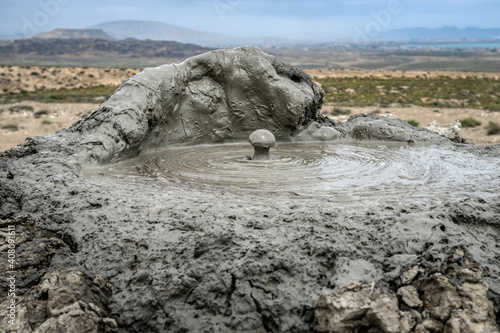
(358, 172)
(181, 253)
(200, 239)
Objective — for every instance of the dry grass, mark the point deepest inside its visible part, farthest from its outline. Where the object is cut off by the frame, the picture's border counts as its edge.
(19, 79)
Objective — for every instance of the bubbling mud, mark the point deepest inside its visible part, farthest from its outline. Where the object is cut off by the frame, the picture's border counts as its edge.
(346, 172)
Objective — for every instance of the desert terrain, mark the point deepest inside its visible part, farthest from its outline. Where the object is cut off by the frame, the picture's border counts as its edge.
(36, 100)
(18, 79)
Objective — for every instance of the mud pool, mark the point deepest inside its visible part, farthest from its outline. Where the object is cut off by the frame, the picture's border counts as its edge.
(358, 172)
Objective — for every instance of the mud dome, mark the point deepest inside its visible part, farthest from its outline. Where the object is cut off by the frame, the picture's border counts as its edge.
(164, 235)
(220, 96)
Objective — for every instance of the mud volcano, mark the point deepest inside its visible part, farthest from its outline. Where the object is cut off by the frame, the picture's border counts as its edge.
(148, 216)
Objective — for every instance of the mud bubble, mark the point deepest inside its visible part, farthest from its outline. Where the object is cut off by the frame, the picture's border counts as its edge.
(261, 141)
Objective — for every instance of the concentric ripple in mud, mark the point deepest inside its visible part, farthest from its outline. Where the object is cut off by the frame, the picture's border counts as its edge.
(345, 171)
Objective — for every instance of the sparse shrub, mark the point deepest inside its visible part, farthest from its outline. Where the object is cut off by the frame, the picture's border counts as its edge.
(50, 98)
(11, 127)
(40, 113)
(91, 76)
(436, 111)
(34, 73)
(493, 128)
(492, 106)
(469, 122)
(435, 91)
(413, 122)
(46, 122)
(21, 107)
(339, 111)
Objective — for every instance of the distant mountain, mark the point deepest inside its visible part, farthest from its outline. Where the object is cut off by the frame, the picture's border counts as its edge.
(440, 33)
(9, 36)
(74, 33)
(159, 31)
(264, 41)
(131, 48)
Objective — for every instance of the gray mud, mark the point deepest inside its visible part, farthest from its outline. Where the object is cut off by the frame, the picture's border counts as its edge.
(220, 96)
(361, 173)
(200, 239)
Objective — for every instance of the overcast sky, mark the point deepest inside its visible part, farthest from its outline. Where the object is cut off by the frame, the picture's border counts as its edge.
(292, 19)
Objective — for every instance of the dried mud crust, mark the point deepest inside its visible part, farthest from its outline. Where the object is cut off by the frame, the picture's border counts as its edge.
(51, 294)
(179, 257)
(186, 257)
(447, 297)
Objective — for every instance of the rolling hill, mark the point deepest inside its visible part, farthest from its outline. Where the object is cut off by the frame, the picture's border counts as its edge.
(159, 31)
(81, 51)
(74, 34)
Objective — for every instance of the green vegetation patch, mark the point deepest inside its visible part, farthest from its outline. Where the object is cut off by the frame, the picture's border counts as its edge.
(413, 122)
(469, 92)
(40, 113)
(77, 95)
(21, 107)
(11, 127)
(469, 122)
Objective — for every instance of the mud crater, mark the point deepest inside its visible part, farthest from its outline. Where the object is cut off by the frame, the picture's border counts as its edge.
(200, 239)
